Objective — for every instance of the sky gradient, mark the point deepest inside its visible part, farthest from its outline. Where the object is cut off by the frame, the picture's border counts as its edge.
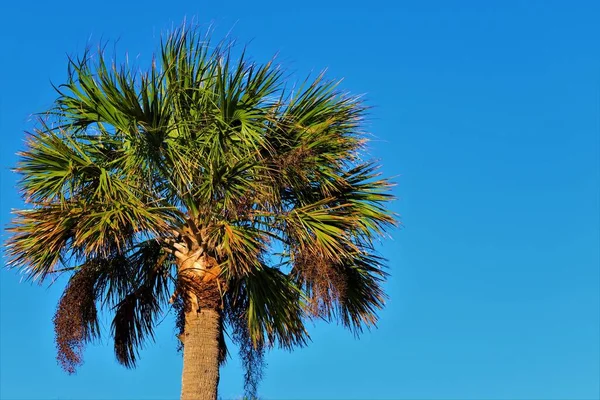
(488, 115)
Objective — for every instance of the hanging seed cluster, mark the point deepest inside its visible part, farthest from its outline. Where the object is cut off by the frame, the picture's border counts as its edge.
(75, 320)
(325, 284)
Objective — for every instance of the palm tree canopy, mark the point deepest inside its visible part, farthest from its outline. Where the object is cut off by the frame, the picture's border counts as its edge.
(129, 170)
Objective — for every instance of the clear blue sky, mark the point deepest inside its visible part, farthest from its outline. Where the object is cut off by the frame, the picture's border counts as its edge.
(488, 112)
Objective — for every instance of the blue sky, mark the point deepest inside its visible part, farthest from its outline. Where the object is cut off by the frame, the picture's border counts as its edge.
(487, 112)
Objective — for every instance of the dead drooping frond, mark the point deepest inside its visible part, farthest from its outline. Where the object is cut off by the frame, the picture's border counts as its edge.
(182, 180)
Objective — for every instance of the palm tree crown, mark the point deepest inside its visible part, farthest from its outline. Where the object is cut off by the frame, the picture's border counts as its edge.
(201, 182)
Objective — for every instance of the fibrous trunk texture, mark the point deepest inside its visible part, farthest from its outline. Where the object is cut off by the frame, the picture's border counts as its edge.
(200, 377)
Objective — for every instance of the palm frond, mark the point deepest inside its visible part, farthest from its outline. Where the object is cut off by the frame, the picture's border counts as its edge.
(270, 305)
(242, 248)
(41, 238)
(137, 311)
(349, 291)
(96, 92)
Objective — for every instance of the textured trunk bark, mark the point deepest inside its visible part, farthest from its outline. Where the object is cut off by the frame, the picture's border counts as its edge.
(200, 376)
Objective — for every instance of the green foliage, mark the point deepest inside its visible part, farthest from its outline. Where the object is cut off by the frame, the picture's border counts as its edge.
(208, 149)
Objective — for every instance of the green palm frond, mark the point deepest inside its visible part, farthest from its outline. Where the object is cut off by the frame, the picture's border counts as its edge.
(112, 95)
(363, 296)
(133, 324)
(270, 305)
(148, 292)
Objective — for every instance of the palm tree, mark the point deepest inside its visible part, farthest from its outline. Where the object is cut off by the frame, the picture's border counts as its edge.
(204, 184)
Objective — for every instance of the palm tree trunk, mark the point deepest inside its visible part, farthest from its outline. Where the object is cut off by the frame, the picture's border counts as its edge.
(200, 376)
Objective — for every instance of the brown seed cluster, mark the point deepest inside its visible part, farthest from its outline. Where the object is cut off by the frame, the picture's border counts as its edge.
(323, 280)
(75, 320)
